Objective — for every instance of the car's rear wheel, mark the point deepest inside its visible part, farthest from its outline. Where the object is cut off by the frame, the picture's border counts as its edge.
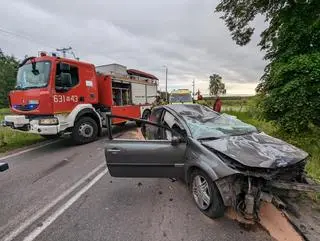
(206, 194)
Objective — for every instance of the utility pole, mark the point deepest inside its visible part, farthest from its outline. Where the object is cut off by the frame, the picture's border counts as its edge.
(193, 87)
(166, 82)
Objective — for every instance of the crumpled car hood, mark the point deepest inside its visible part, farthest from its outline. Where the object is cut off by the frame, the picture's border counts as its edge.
(257, 150)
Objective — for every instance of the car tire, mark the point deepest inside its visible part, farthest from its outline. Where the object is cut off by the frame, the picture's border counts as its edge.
(210, 204)
(146, 114)
(84, 131)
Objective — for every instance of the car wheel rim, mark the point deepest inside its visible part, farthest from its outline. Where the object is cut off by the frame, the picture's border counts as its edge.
(201, 192)
(86, 130)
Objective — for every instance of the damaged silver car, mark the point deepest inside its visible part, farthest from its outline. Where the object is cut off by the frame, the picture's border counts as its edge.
(224, 161)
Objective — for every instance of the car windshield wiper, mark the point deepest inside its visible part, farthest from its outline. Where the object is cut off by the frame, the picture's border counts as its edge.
(208, 138)
(245, 133)
(19, 88)
(27, 87)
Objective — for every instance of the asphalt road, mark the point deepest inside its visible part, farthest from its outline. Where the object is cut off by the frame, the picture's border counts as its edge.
(64, 192)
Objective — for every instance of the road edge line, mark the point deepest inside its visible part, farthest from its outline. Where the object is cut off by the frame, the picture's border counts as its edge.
(13, 234)
(27, 150)
(38, 230)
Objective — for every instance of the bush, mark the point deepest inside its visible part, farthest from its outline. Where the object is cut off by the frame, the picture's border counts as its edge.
(293, 93)
(8, 72)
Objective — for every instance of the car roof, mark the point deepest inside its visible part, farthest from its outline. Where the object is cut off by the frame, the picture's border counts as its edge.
(178, 108)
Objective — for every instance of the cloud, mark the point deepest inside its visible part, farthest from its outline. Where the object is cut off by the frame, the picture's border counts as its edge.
(187, 36)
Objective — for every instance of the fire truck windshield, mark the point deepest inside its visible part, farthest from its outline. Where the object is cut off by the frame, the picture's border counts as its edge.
(33, 75)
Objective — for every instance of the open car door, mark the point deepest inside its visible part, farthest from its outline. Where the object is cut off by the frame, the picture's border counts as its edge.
(141, 156)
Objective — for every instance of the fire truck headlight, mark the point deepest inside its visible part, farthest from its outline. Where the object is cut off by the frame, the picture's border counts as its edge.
(49, 121)
(33, 102)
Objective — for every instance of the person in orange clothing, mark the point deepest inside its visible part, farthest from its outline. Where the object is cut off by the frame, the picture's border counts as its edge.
(217, 105)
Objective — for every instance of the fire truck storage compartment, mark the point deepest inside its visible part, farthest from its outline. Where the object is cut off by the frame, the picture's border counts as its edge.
(121, 93)
(139, 94)
(151, 93)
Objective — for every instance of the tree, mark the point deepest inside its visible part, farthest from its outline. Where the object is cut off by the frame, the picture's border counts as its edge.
(8, 72)
(292, 43)
(216, 86)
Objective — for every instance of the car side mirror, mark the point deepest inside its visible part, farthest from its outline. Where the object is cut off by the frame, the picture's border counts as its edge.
(176, 140)
(3, 166)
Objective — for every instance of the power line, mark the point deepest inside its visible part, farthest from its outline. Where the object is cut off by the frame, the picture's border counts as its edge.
(17, 35)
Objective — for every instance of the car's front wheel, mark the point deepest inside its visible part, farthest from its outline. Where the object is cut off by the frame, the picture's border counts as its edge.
(206, 194)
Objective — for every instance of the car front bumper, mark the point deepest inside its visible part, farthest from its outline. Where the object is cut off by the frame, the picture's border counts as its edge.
(22, 123)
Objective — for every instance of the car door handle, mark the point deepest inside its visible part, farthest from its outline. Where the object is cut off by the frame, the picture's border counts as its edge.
(113, 151)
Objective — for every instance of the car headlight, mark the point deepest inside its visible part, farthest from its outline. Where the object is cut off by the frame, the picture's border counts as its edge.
(49, 121)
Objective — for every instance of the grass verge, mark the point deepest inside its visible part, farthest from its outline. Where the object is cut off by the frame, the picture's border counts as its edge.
(11, 139)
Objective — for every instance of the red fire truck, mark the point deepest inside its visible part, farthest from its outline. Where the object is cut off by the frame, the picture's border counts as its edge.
(56, 95)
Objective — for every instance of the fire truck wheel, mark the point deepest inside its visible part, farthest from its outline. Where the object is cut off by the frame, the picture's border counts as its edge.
(84, 131)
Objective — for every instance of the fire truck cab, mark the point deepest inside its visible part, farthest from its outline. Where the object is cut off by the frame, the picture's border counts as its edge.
(56, 95)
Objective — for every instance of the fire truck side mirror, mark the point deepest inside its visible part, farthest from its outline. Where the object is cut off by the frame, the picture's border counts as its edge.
(63, 82)
(64, 67)
(66, 79)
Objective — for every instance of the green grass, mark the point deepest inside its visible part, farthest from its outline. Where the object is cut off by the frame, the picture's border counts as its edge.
(309, 141)
(12, 139)
(4, 112)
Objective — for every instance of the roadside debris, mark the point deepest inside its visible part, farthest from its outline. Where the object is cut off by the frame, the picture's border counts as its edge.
(276, 223)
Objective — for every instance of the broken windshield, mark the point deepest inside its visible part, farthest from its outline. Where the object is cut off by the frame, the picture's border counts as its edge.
(33, 75)
(204, 123)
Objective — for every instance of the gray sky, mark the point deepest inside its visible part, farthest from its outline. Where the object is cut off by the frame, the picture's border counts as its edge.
(185, 35)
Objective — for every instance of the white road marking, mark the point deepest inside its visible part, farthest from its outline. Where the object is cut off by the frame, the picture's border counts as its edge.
(27, 150)
(63, 208)
(42, 211)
